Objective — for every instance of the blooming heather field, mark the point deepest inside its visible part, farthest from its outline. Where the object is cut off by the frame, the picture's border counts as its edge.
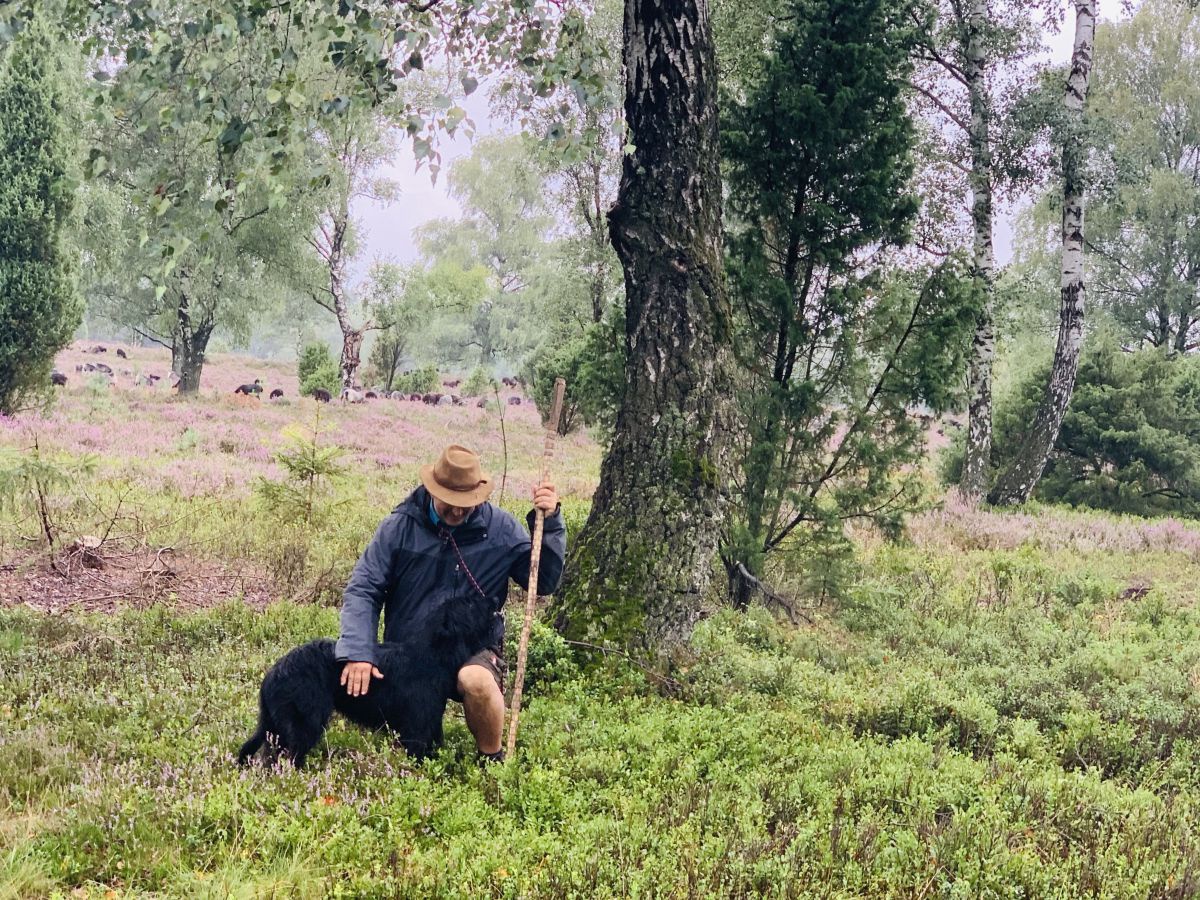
(179, 473)
(218, 442)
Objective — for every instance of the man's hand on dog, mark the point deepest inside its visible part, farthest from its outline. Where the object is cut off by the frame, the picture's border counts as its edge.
(545, 497)
(356, 677)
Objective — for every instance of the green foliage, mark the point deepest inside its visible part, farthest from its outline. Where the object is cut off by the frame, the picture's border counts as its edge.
(593, 365)
(479, 383)
(453, 300)
(313, 358)
(935, 723)
(549, 657)
(310, 467)
(396, 303)
(424, 380)
(989, 691)
(1143, 214)
(504, 233)
(39, 303)
(318, 369)
(1127, 442)
(833, 345)
(187, 242)
(35, 485)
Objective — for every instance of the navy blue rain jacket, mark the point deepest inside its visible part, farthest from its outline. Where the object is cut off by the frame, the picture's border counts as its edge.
(410, 570)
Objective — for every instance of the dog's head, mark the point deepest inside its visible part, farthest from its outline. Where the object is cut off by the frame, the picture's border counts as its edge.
(467, 619)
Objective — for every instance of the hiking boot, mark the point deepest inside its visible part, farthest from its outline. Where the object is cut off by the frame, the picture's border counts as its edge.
(486, 759)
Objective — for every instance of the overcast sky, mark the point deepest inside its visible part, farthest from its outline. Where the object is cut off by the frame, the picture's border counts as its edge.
(389, 228)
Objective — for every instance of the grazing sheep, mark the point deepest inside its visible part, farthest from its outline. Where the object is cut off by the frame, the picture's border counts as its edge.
(508, 382)
(416, 398)
(444, 400)
(396, 395)
(101, 367)
(431, 399)
(452, 384)
(97, 349)
(456, 400)
(371, 395)
(514, 401)
(481, 403)
(58, 379)
(121, 353)
(277, 394)
(350, 395)
(321, 395)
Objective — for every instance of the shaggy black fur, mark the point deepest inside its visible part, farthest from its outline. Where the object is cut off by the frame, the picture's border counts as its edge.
(301, 691)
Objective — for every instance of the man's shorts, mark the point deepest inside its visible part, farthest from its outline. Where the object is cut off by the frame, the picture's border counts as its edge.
(490, 660)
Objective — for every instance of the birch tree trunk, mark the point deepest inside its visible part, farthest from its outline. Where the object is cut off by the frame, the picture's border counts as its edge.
(977, 463)
(1016, 484)
(189, 341)
(330, 244)
(642, 564)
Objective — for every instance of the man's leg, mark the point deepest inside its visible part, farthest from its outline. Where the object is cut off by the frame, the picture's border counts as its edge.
(483, 706)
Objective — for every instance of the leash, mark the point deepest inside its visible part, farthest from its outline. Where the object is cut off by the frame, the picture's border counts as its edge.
(447, 536)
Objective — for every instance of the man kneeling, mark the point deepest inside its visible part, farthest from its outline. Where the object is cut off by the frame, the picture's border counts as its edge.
(442, 542)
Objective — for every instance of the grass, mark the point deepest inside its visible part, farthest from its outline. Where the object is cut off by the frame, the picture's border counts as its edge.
(1001, 706)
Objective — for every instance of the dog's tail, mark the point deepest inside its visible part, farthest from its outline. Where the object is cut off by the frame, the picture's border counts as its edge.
(253, 745)
(257, 739)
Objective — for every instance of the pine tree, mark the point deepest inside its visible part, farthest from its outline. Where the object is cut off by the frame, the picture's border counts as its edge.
(39, 303)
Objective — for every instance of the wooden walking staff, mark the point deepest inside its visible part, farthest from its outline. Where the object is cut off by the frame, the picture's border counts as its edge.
(535, 555)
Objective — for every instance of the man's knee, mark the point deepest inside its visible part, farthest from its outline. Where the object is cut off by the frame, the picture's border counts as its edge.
(477, 681)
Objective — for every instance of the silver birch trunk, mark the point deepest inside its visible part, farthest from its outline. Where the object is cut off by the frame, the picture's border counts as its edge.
(640, 568)
(330, 244)
(1016, 484)
(977, 463)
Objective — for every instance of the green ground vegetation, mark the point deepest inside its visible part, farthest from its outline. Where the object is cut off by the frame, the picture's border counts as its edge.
(966, 721)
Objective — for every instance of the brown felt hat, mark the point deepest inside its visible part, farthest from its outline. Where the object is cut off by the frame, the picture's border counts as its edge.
(456, 478)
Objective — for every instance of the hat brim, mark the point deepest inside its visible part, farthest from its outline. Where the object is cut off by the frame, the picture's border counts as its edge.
(473, 497)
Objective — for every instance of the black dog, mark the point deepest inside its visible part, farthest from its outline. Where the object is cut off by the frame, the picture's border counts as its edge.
(301, 691)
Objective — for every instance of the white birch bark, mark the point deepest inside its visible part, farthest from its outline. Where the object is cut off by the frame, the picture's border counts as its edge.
(974, 481)
(1018, 481)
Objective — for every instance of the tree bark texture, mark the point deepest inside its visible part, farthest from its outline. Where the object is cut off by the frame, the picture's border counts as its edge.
(644, 561)
(189, 344)
(1017, 482)
(977, 462)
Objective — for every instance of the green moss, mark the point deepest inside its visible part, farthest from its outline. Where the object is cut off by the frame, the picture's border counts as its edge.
(608, 609)
(694, 471)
